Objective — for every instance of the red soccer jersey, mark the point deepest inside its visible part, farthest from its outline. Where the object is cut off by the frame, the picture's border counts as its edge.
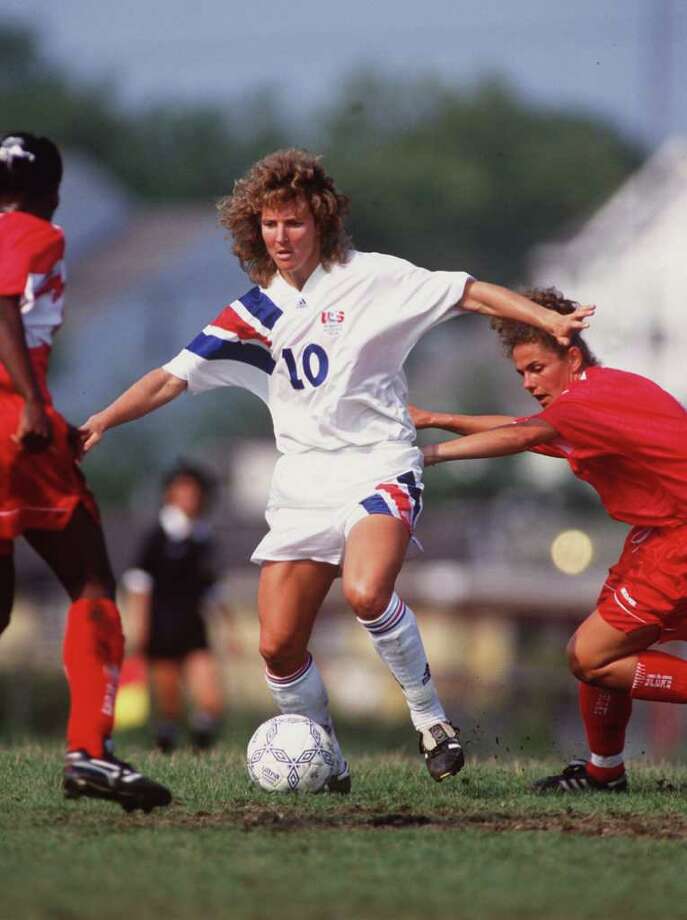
(627, 438)
(32, 268)
(37, 491)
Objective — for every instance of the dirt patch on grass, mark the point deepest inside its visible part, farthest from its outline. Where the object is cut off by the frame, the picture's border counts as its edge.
(260, 817)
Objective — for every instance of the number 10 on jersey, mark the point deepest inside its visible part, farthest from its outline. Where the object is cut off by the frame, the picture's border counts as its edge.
(314, 366)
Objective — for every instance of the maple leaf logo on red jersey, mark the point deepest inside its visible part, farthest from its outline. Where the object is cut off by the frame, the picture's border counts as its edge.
(52, 284)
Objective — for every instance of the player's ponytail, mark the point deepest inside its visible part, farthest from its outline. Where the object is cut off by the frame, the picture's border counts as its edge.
(30, 166)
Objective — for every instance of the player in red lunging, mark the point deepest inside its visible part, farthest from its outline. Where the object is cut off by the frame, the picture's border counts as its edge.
(627, 438)
(43, 495)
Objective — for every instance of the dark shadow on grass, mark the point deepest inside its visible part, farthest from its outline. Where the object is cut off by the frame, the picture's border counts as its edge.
(252, 818)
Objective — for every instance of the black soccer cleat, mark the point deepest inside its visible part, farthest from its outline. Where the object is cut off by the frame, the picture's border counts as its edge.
(441, 749)
(340, 783)
(113, 779)
(575, 778)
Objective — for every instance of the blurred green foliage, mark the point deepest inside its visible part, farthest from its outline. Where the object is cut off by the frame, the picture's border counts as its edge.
(443, 176)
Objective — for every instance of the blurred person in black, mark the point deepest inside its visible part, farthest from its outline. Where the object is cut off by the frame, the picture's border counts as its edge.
(168, 589)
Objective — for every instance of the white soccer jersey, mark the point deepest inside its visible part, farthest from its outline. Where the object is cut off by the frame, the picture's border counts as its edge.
(328, 359)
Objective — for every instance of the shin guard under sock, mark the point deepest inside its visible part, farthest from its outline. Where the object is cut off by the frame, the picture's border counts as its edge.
(661, 677)
(304, 694)
(397, 639)
(605, 714)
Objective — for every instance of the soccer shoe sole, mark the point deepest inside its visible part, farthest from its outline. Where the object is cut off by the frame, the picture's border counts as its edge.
(445, 764)
(75, 787)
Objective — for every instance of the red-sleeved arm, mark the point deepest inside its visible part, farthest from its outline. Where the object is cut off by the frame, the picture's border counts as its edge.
(586, 425)
(551, 449)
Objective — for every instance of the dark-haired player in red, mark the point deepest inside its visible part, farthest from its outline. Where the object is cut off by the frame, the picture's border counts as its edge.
(43, 496)
(627, 438)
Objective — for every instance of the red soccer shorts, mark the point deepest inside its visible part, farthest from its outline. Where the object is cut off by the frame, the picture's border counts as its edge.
(648, 584)
(38, 491)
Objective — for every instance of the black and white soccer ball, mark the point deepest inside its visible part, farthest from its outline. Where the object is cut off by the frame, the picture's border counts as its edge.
(290, 753)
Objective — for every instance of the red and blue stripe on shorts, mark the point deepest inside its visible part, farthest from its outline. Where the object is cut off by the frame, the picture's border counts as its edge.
(400, 498)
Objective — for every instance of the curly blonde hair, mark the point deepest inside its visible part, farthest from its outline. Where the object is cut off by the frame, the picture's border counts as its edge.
(279, 178)
(512, 332)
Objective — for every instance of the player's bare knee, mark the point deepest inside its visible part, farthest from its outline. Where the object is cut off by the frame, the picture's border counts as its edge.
(584, 667)
(281, 656)
(576, 662)
(367, 600)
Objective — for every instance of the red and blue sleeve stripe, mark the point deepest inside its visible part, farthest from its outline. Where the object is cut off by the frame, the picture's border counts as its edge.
(261, 307)
(215, 349)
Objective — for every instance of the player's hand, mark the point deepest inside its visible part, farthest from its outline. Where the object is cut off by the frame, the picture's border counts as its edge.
(563, 327)
(91, 433)
(421, 418)
(34, 433)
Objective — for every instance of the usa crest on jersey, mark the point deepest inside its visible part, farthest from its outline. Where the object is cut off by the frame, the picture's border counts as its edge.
(332, 322)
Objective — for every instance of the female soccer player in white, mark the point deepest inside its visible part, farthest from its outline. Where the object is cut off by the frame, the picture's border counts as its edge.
(322, 339)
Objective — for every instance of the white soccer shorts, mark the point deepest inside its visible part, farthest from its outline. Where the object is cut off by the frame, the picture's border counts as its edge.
(312, 509)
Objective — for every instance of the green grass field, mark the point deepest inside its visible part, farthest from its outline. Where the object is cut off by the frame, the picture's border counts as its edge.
(400, 846)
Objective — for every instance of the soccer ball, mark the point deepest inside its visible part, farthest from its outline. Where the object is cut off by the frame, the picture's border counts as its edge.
(290, 753)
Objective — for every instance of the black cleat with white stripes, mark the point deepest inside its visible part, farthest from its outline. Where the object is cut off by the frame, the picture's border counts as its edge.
(113, 779)
(574, 778)
(442, 751)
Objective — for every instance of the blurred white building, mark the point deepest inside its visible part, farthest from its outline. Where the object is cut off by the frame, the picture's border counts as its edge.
(630, 260)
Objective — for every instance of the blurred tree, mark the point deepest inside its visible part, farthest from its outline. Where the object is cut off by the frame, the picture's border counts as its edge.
(452, 179)
(162, 152)
(445, 177)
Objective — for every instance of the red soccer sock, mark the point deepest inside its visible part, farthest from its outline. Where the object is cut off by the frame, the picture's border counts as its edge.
(605, 714)
(93, 652)
(660, 677)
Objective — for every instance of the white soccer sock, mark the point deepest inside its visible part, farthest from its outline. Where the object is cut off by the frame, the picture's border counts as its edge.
(397, 640)
(606, 762)
(303, 693)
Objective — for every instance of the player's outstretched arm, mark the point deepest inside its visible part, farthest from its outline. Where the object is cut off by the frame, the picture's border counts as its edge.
(149, 393)
(459, 424)
(494, 300)
(499, 442)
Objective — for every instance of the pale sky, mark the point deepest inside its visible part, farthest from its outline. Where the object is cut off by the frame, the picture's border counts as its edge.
(624, 59)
